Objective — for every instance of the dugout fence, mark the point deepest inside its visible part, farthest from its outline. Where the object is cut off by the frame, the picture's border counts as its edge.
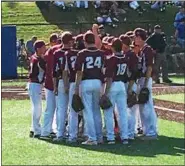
(43, 30)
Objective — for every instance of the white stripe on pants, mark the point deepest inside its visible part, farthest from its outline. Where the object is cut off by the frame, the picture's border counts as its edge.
(73, 116)
(61, 109)
(35, 93)
(147, 112)
(92, 115)
(118, 98)
(49, 113)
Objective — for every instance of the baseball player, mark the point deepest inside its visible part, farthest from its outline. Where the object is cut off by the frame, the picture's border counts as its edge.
(138, 125)
(89, 66)
(60, 74)
(147, 112)
(36, 78)
(71, 56)
(131, 83)
(116, 76)
(49, 119)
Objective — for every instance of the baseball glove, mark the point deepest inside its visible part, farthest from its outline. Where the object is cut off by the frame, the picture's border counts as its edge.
(77, 104)
(105, 102)
(143, 96)
(131, 100)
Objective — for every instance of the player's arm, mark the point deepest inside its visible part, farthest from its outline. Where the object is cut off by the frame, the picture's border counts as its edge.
(98, 41)
(65, 76)
(79, 74)
(55, 77)
(149, 63)
(108, 76)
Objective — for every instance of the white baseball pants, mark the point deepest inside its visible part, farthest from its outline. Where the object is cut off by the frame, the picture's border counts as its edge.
(147, 112)
(118, 98)
(61, 109)
(35, 93)
(92, 115)
(73, 116)
(49, 113)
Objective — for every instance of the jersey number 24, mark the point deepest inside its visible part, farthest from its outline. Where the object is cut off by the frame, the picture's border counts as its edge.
(91, 62)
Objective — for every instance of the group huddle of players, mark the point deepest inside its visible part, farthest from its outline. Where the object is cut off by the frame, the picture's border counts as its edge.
(92, 68)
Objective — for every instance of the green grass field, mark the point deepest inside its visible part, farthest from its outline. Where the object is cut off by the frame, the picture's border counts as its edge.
(177, 98)
(178, 79)
(19, 149)
(15, 83)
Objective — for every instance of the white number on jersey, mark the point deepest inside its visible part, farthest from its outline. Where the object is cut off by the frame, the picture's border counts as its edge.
(58, 65)
(73, 60)
(121, 69)
(91, 63)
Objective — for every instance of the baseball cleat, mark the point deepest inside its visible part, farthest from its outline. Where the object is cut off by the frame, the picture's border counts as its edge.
(112, 142)
(36, 136)
(89, 142)
(31, 134)
(100, 141)
(125, 142)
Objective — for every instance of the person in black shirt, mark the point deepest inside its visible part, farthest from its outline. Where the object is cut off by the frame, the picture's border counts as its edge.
(158, 42)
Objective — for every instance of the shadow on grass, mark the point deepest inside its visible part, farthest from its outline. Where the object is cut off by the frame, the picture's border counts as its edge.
(164, 145)
(68, 19)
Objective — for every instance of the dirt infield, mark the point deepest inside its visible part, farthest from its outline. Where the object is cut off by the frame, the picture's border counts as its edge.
(165, 109)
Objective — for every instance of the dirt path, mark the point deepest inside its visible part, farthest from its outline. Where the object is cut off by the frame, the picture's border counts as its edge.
(165, 109)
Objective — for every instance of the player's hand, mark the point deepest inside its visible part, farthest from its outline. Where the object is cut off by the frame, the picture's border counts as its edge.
(95, 28)
(56, 91)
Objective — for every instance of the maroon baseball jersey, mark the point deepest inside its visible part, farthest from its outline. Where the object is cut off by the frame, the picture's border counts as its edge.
(37, 69)
(71, 56)
(116, 67)
(145, 59)
(132, 65)
(59, 63)
(49, 58)
(91, 62)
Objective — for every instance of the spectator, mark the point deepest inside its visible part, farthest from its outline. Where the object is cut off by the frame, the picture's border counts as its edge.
(60, 4)
(157, 42)
(104, 14)
(179, 16)
(97, 4)
(135, 5)
(175, 53)
(180, 33)
(116, 10)
(159, 5)
(30, 46)
(81, 4)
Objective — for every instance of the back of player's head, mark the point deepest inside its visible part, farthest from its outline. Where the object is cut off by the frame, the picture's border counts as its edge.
(116, 45)
(89, 37)
(66, 37)
(139, 32)
(53, 38)
(39, 44)
(79, 42)
(125, 40)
